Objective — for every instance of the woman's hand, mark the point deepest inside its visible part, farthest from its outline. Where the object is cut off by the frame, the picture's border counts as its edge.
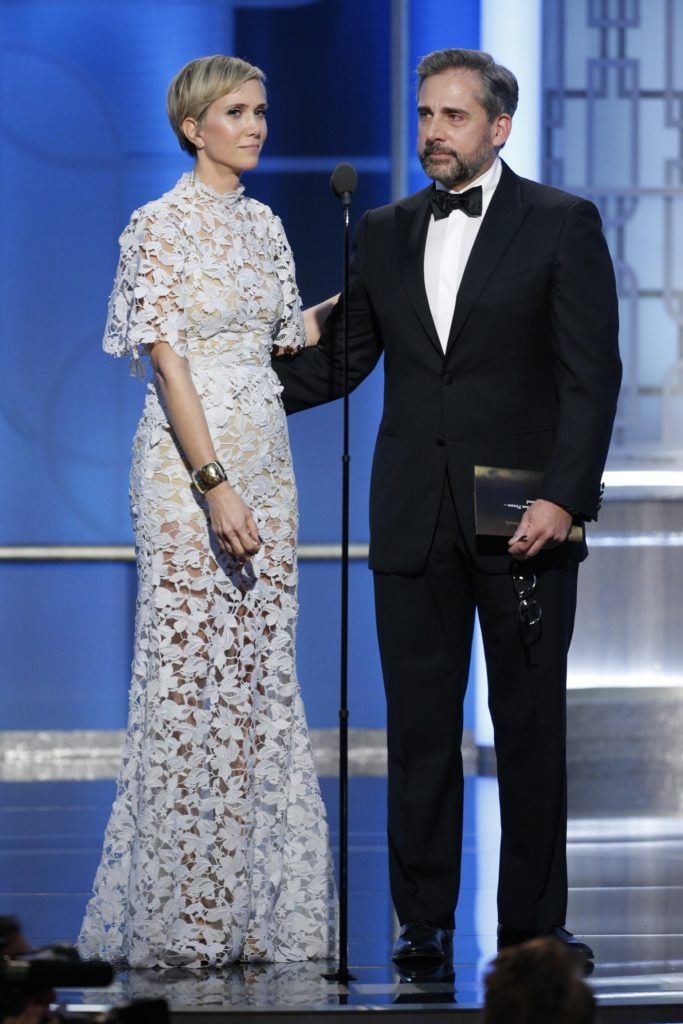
(232, 522)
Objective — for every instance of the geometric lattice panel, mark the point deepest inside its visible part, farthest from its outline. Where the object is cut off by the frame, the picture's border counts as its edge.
(613, 132)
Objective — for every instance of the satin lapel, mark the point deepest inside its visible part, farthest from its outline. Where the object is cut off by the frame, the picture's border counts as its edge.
(503, 218)
(412, 221)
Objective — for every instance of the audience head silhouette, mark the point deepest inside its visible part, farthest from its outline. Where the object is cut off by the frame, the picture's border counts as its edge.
(537, 982)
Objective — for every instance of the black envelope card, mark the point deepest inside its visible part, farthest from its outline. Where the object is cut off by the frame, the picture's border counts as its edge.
(501, 496)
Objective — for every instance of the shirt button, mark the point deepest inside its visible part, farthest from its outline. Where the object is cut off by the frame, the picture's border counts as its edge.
(448, 378)
(440, 441)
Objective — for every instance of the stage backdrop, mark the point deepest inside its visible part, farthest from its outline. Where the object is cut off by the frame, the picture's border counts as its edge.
(85, 141)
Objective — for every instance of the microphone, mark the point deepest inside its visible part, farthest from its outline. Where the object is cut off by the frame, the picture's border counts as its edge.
(343, 182)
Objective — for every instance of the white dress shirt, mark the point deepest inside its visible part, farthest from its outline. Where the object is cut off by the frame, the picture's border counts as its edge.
(448, 248)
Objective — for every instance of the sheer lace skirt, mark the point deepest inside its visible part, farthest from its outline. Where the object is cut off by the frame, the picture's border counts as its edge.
(217, 847)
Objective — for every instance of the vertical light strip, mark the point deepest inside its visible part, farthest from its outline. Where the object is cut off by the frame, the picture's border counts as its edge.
(512, 34)
(400, 73)
(483, 727)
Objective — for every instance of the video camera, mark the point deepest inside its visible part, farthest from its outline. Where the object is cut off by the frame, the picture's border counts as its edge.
(35, 974)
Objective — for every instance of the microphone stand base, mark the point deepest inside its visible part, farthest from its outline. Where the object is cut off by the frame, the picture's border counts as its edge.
(341, 975)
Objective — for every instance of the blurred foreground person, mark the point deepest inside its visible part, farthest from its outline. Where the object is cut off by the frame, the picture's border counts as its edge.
(13, 942)
(537, 982)
(26, 1009)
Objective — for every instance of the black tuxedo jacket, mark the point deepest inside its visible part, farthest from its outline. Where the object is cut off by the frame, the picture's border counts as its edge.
(529, 378)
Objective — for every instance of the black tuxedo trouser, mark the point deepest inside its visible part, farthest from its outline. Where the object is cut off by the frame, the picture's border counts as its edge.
(425, 627)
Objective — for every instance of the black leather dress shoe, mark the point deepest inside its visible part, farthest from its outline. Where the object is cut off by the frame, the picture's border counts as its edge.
(421, 941)
(515, 936)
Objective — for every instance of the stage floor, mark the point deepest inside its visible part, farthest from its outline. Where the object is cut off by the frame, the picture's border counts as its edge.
(626, 898)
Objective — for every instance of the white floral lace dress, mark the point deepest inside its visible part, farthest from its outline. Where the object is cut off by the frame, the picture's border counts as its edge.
(217, 846)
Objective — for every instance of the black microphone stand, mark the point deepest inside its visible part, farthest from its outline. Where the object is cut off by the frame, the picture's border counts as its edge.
(343, 182)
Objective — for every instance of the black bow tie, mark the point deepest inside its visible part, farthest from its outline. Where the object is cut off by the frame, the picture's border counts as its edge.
(443, 203)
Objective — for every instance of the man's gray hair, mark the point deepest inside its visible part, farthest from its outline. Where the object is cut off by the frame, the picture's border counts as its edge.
(500, 91)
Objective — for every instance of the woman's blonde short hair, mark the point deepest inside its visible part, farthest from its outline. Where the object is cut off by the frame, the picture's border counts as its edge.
(198, 84)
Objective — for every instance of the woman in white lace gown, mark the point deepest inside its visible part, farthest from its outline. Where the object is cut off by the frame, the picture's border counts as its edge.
(217, 846)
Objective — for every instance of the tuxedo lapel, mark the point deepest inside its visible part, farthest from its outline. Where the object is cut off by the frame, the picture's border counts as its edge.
(412, 221)
(503, 218)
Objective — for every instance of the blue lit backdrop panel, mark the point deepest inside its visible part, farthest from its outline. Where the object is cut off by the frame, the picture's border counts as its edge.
(328, 103)
(82, 91)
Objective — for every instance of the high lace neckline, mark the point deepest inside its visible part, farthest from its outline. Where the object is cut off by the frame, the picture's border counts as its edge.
(190, 180)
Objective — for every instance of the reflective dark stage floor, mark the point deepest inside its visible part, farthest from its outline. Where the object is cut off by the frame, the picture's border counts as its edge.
(626, 876)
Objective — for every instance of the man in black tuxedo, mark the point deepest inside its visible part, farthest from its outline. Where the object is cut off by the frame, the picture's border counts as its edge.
(496, 313)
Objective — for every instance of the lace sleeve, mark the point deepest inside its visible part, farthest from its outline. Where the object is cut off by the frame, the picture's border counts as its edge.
(146, 304)
(291, 332)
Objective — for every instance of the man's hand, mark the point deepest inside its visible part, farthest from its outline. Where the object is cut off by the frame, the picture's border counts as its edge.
(544, 524)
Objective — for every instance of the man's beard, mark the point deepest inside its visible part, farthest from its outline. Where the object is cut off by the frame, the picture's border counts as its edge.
(456, 171)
